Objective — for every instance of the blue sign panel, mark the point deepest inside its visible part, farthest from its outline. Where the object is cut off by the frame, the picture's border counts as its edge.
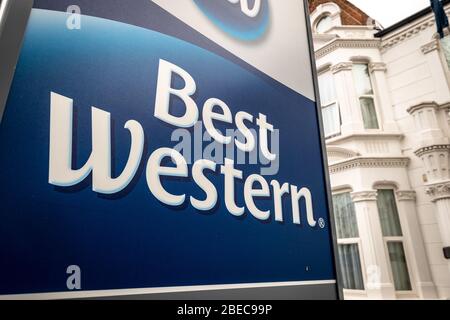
(139, 151)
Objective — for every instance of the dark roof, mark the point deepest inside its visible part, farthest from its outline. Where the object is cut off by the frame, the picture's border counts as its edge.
(408, 20)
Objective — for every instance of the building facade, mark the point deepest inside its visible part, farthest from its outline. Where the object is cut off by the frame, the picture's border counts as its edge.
(385, 97)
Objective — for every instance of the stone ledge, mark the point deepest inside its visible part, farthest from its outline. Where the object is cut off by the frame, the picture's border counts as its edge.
(369, 162)
(428, 149)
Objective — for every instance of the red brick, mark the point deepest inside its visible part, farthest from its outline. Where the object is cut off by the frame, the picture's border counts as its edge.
(350, 14)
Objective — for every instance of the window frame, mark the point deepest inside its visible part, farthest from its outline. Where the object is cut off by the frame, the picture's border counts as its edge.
(322, 18)
(349, 241)
(357, 241)
(413, 290)
(400, 239)
(367, 96)
(327, 104)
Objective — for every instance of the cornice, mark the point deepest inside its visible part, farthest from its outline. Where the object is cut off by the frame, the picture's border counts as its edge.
(365, 135)
(343, 152)
(362, 162)
(342, 66)
(423, 105)
(433, 148)
(363, 196)
(439, 191)
(406, 195)
(377, 66)
(347, 43)
(409, 31)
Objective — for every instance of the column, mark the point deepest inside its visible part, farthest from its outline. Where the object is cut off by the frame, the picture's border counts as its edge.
(440, 194)
(378, 71)
(412, 234)
(434, 152)
(348, 101)
(375, 264)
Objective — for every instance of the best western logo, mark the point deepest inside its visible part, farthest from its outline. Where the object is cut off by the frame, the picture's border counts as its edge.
(214, 112)
(243, 19)
(245, 7)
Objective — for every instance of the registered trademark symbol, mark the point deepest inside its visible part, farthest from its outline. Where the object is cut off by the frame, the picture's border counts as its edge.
(321, 223)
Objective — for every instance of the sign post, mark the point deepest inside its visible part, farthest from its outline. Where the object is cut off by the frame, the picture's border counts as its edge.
(165, 149)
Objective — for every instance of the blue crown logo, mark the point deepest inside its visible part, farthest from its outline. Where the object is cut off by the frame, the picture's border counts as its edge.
(246, 20)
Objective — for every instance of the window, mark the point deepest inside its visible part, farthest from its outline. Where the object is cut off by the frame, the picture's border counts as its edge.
(330, 108)
(348, 242)
(387, 208)
(399, 266)
(345, 216)
(324, 24)
(365, 94)
(350, 266)
(393, 237)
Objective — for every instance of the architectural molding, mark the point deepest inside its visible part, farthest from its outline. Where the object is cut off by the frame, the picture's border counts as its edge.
(342, 66)
(428, 104)
(439, 191)
(326, 9)
(433, 148)
(362, 196)
(406, 195)
(407, 34)
(446, 33)
(324, 37)
(377, 66)
(361, 162)
(347, 43)
(430, 47)
(324, 68)
(421, 106)
(340, 152)
(445, 106)
(366, 135)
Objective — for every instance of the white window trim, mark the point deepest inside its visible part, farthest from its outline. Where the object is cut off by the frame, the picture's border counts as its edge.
(326, 9)
(406, 250)
(356, 241)
(325, 104)
(372, 96)
(339, 132)
(338, 191)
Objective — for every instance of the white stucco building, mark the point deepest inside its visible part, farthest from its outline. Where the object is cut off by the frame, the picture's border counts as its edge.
(386, 107)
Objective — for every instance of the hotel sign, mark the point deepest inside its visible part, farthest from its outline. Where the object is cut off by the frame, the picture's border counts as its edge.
(154, 147)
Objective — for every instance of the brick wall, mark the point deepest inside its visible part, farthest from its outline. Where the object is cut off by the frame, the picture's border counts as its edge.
(350, 14)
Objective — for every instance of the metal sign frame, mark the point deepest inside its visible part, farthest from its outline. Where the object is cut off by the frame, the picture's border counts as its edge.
(324, 152)
(13, 20)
